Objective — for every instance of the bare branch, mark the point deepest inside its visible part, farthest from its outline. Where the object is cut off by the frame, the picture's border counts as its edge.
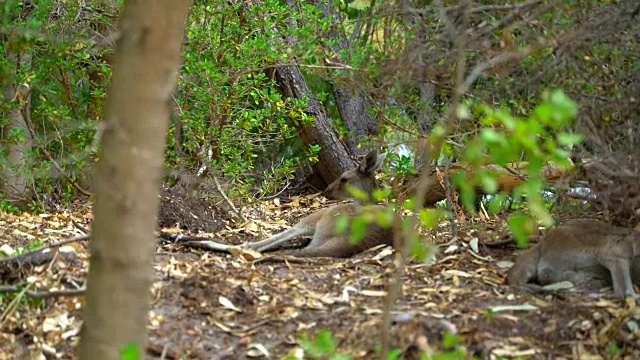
(45, 247)
(43, 294)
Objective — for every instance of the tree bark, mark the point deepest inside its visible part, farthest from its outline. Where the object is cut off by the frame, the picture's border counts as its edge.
(128, 177)
(16, 182)
(351, 101)
(333, 156)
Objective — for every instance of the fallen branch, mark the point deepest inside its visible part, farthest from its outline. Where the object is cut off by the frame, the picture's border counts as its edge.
(45, 247)
(196, 242)
(211, 245)
(80, 227)
(42, 294)
(224, 196)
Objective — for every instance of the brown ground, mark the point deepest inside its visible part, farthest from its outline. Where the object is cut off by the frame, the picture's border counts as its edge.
(220, 306)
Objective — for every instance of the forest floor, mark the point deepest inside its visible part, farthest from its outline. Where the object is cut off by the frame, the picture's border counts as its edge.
(222, 306)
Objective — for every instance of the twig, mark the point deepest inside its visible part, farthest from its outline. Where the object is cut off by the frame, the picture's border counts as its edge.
(508, 19)
(207, 245)
(425, 181)
(43, 294)
(80, 227)
(279, 192)
(447, 190)
(224, 196)
(45, 247)
(11, 307)
(27, 118)
(502, 58)
(517, 7)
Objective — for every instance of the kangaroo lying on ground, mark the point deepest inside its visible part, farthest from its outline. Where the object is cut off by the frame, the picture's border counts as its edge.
(589, 253)
(321, 225)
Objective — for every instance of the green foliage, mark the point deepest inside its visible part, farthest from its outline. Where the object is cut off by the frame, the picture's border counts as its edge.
(231, 118)
(400, 165)
(504, 138)
(358, 225)
(15, 300)
(130, 352)
(30, 246)
(237, 122)
(322, 346)
(430, 217)
(67, 76)
(612, 348)
(9, 207)
(35, 207)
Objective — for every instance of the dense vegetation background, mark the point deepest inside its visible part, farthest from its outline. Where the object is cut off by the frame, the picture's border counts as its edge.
(271, 91)
(276, 97)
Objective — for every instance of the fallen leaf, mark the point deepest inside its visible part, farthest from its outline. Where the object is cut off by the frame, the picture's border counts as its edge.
(375, 293)
(522, 307)
(228, 304)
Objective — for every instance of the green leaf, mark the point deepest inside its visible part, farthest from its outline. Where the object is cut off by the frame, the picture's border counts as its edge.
(381, 194)
(569, 139)
(341, 223)
(520, 225)
(496, 202)
(467, 192)
(394, 354)
(324, 343)
(358, 228)
(488, 182)
(565, 108)
(450, 340)
(491, 136)
(340, 357)
(357, 193)
(130, 352)
(429, 217)
(360, 4)
(384, 218)
(418, 248)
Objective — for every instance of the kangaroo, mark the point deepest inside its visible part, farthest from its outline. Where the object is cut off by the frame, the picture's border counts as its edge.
(326, 241)
(589, 253)
(363, 178)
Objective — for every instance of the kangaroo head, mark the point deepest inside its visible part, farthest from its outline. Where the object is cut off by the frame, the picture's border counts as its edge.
(362, 177)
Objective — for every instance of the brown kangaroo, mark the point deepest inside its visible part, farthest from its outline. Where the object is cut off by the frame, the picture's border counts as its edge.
(321, 225)
(363, 178)
(325, 239)
(589, 253)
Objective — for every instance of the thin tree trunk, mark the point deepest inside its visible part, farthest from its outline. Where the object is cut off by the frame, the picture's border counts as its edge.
(333, 156)
(351, 101)
(128, 177)
(16, 183)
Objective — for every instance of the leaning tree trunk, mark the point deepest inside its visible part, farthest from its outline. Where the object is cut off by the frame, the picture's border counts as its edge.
(128, 177)
(333, 156)
(15, 135)
(351, 101)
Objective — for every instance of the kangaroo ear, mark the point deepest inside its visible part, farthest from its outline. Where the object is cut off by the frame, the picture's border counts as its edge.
(371, 162)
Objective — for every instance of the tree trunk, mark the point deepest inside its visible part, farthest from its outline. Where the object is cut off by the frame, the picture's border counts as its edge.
(16, 183)
(333, 156)
(128, 177)
(351, 101)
